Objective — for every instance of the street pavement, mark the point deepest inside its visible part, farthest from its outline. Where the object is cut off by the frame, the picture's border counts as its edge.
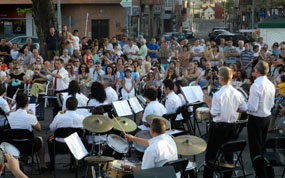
(62, 170)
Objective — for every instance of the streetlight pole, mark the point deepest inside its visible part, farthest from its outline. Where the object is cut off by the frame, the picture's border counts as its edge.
(59, 16)
(252, 14)
(193, 4)
(224, 7)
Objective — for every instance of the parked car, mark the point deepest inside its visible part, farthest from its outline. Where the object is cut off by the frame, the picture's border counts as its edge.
(21, 40)
(235, 38)
(215, 33)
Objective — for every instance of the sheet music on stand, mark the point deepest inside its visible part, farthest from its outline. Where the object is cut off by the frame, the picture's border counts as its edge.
(192, 94)
(136, 106)
(122, 108)
(76, 146)
(142, 99)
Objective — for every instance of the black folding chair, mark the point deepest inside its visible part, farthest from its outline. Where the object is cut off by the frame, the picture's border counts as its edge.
(108, 108)
(24, 141)
(179, 165)
(171, 117)
(219, 166)
(62, 148)
(275, 152)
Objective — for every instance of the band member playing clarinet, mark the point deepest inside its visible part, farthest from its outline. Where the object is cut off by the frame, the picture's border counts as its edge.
(223, 107)
(260, 103)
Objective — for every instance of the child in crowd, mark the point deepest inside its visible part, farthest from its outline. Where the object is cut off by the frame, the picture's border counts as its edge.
(128, 89)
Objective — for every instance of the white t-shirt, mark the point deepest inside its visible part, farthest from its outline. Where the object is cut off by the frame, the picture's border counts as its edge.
(76, 42)
(196, 50)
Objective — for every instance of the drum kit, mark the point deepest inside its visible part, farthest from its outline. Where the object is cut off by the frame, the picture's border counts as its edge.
(98, 124)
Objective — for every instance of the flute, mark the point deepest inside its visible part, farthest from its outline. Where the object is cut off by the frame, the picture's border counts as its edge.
(8, 98)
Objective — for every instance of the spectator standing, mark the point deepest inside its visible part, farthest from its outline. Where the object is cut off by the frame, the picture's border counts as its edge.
(67, 40)
(52, 43)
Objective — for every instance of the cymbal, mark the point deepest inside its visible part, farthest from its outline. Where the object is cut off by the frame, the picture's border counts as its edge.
(99, 159)
(127, 124)
(149, 119)
(97, 123)
(189, 145)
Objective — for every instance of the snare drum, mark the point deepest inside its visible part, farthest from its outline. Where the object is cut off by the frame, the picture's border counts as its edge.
(142, 134)
(203, 113)
(117, 143)
(9, 148)
(114, 169)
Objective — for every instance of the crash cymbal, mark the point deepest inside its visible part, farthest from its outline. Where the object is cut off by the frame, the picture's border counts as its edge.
(97, 123)
(99, 159)
(127, 124)
(149, 119)
(189, 145)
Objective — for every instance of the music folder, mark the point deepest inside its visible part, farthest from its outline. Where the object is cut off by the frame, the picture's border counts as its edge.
(122, 108)
(192, 94)
(135, 105)
(76, 146)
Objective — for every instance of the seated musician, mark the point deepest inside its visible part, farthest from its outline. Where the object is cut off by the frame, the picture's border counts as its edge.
(74, 91)
(38, 82)
(173, 102)
(224, 107)
(25, 119)
(160, 149)
(153, 107)
(69, 119)
(110, 92)
(4, 106)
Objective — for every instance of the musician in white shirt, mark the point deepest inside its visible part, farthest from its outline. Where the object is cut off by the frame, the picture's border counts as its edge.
(98, 95)
(173, 101)
(260, 103)
(3, 104)
(69, 119)
(160, 149)
(110, 92)
(223, 108)
(153, 107)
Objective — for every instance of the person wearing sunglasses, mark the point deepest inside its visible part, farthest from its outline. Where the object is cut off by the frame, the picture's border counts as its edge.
(16, 80)
(38, 81)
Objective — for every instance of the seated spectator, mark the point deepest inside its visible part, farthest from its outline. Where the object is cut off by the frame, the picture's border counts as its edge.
(97, 74)
(15, 51)
(15, 81)
(23, 118)
(84, 79)
(29, 45)
(206, 79)
(116, 52)
(110, 74)
(27, 55)
(151, 82)
(38, 82)
(192, 73)
(171, 74)
(69, 69)
(36, 57)
(3, 73)
(69, 119)
(65, 56)
(87, 57)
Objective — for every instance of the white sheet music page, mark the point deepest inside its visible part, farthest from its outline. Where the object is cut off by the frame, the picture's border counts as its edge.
(136, 106)
(122, 108)
(192, 93)
(32, 106)
(76, 146)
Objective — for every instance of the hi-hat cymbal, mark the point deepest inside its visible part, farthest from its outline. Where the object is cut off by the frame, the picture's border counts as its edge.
(127, 124)
(99, 159)
(189, 145)
(149, 119)
(97, 123)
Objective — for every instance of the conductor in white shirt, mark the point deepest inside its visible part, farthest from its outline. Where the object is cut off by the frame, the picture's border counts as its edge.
(60, 80)
(173, 102)
(223, 107)
(260, 103)
(69, 119)
(160, 149)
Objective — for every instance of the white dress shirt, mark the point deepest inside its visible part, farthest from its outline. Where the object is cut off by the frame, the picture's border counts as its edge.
(95, 103)
(82, 100)
(161, 150)
(68, 119)
(153, 108)
(20, 119)
(5, 107)
(133, 49)
(61, 83)
(225, 104)
(172, 103)
(111, 95)
(261, 97)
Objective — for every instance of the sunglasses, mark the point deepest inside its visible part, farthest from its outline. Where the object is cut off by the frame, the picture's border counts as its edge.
(75, 61)
(16, 68)
(68, 68)
(37, 69)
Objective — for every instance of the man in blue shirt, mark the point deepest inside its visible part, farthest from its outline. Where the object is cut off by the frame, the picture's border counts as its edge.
(231, 53)
(152, 49)
(246, 59)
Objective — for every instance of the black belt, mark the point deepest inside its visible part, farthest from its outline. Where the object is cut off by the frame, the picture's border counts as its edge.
(223, 124)
(256, 117)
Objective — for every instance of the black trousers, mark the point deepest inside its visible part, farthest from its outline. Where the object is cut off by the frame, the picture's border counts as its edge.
(219, 133)
(257, 132)
(59, 148)
(57, 108)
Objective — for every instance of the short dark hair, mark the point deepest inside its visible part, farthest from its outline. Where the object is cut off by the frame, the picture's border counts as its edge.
(158, 126)
(86, 68)
(282, 78)
(262, 67)
(75, 31)
(60, 60)
(71, 103)
(22, 100)
(2, 88)
(151, 94)
(168, 84)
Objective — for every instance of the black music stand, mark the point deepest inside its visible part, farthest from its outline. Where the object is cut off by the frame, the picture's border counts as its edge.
(161, 172)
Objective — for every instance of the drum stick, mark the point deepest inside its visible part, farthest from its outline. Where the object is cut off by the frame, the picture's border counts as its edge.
(119, 124)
